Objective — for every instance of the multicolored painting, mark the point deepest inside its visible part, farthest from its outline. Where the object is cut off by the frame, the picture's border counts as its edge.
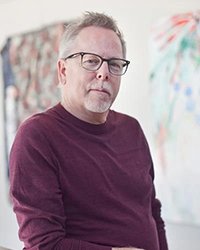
(29, 74)
(175, 94)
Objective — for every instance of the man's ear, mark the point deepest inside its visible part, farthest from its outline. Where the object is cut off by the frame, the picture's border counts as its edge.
(61, 71)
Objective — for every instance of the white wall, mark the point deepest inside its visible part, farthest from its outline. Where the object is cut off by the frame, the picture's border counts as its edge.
(135, 18)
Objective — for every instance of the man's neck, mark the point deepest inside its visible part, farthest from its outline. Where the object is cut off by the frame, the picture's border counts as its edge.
(87, 116)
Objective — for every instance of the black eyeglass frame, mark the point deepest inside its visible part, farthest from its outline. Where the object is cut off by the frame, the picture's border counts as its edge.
(126, 62)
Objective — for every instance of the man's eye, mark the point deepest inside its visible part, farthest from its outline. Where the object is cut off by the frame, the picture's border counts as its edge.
(115, 65)
(91, 61)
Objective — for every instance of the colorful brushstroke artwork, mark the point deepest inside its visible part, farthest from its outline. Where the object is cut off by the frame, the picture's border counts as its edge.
(175, 97)
(29, 76)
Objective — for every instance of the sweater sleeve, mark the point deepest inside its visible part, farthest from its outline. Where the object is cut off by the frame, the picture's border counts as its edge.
(156, 210)
(36, 195)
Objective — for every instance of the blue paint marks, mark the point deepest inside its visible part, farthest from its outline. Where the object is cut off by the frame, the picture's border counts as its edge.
(188, 91)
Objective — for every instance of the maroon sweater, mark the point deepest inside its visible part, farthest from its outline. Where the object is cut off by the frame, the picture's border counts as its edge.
(78, 186)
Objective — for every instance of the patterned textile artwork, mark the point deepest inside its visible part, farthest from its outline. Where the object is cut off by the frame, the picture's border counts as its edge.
(29, 74)
(175, 95)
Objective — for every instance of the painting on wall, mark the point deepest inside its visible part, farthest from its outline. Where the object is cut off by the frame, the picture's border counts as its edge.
(29, 76)
(175, 97)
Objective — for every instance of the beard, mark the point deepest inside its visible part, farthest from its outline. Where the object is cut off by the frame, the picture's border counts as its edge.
(97, 106)
(100, 98)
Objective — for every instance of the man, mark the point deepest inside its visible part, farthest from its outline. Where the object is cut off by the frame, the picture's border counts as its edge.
(81, 174)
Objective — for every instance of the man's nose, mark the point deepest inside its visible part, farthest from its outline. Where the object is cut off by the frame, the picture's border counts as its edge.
(103, 72)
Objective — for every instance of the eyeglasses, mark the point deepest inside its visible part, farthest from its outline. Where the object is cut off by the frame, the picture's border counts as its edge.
(93, 62)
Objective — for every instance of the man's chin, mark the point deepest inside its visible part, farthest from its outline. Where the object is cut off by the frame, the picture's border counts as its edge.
(98, 108)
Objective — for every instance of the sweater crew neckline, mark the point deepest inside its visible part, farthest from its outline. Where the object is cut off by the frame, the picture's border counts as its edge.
(88, 127)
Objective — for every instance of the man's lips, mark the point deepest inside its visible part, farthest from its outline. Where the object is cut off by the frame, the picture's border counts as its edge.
(101, 91)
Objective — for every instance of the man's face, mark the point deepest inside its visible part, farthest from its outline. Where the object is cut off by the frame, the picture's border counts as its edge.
(87, 93)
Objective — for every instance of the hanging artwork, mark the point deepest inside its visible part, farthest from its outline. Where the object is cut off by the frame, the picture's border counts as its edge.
(29, 75)
(175, 95)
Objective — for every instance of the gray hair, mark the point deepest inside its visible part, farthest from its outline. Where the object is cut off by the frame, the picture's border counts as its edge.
(88, 19)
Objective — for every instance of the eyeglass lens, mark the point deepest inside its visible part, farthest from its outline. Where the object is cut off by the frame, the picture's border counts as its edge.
(93, 62)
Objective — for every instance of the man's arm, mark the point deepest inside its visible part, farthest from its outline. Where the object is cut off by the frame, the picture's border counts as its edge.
(127, 248)
(36, 195)
(156, 213)
(156, 210)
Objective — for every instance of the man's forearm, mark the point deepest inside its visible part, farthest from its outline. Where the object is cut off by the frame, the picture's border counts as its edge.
(127, 248)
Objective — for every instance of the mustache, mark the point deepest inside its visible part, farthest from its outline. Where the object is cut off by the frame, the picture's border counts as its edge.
(103, 86)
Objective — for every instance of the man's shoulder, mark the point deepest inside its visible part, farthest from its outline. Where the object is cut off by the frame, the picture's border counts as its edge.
(43, 119)
(124, 117)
